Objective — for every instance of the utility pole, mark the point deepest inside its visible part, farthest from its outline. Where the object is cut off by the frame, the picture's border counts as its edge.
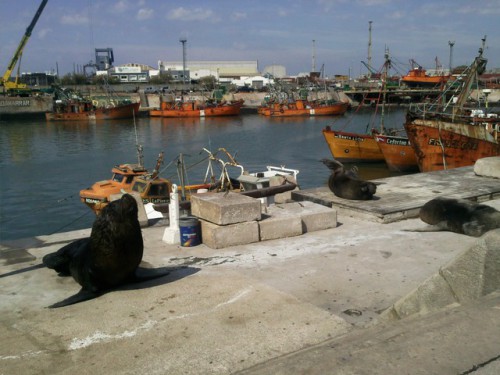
(314, 56)
(183, 41)
(370, 48)
(451, 53)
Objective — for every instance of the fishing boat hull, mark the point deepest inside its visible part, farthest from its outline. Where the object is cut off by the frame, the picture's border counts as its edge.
(398, 153)
(351, 147)
(441, 144)
(111, 113)
(301, 108)
(229, 109)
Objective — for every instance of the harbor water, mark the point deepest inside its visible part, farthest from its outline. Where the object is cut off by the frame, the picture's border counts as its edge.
(44, 165)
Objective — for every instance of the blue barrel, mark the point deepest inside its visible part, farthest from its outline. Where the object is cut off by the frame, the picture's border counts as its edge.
(190, 231)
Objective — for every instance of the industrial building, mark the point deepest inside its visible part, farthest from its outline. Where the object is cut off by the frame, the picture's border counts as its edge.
(218, 69)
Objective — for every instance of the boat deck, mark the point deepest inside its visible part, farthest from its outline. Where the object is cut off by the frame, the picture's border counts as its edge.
(401, 197)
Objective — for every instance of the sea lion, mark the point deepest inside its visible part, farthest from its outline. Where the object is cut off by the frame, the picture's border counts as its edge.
(347, 184)
(459, 216)
(110, 257)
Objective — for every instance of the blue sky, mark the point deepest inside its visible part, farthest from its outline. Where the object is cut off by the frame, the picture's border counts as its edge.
(271, 32)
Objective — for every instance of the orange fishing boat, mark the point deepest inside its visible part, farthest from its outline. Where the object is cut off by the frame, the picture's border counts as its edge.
(86, 111)
(352, 147)
(97, 196)
(301, 107)
(446, 136)
(418, 77)
(192, 108)
(71, 106)
(398, 153)
(134, 178)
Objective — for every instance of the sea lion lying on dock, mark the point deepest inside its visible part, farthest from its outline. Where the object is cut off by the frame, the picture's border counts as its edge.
(459, 216)
(347, 184)
(110, 257)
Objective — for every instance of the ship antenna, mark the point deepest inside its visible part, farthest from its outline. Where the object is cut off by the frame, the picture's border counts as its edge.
(140, 156)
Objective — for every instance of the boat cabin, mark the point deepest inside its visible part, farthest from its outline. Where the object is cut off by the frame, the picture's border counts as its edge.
(152, 191)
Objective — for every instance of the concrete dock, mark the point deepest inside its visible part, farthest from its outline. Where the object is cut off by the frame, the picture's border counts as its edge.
(369, 296)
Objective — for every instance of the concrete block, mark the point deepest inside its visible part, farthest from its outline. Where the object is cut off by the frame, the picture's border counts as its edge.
(433, 294)
(224, 209)
(488, 167)
(476, 272)
(275, 226)
(220, 236)
(472, 275)
(287, 195)
(314, 216)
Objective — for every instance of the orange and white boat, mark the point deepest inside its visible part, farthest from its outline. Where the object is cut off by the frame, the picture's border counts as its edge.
(192, 108)
(446, 136)
(398, 153)
(301, 107)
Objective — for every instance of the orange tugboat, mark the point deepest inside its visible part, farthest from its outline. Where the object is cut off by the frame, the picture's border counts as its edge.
(70, 106)
(446, 135)
(193, 108)
(302, 107)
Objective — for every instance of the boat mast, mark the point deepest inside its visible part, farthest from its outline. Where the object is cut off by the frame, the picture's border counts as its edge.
(370, 49)
(140, 156)
(387, 65)
(475, 69)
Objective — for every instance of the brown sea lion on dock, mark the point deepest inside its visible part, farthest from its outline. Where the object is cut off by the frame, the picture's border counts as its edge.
(347, 184)
(110, 257)
(459, 216)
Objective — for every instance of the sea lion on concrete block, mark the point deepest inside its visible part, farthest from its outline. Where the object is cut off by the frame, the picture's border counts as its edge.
(110, 257)
(459, 216)
(347, 184)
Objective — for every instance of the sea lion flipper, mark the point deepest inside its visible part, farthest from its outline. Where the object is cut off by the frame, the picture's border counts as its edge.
(61, 259)
(82, 295)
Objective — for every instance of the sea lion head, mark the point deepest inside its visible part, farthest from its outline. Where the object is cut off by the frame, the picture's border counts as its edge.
(122, 209)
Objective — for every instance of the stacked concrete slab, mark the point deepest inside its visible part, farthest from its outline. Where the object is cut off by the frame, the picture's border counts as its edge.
(233, 219)
(474, 274)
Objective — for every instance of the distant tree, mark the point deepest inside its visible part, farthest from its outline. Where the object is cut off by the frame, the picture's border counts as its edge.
(208, 82)
(104, 79)
(73, 79)
(161, 78)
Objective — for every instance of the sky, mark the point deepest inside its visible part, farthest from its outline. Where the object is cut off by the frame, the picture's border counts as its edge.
(268, 31)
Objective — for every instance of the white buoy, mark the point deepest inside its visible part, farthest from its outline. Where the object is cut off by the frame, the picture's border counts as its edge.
(172, 233)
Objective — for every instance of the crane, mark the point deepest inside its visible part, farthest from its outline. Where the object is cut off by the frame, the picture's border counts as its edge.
(15, 87)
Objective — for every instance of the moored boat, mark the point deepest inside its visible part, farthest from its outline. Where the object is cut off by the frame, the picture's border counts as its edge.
(355, 147)
(300, 107)
(446, 135)
(192, 108)
(398, 153)
(418, 77)
(71, 106)
(99, 194)
(352, 147)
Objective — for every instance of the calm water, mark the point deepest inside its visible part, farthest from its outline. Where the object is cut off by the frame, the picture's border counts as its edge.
(44, 165)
